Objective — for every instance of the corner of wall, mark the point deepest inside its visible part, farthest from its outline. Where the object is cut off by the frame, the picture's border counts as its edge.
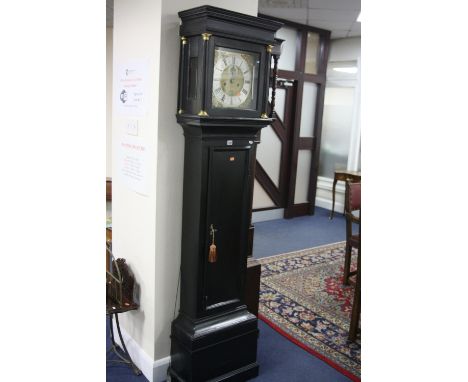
(133, 213)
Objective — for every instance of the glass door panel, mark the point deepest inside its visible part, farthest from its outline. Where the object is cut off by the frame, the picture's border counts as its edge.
(309, 102)
(336, 130)
(304, 159)
(313, 45)
(339, 104)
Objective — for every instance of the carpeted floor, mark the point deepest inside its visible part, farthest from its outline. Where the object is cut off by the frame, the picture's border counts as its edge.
(286, 235)
(280, 360)
(303, 297)
(118, 372)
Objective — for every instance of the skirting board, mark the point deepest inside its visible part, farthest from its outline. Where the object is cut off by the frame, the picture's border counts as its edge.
(327, 204)
(261, 216)
(325, 194)
(154, 371)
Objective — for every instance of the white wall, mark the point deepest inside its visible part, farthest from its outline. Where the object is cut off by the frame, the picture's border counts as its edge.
(109, 50)
(345, 49)
(137, 35)
(260, 198)
(147, 229)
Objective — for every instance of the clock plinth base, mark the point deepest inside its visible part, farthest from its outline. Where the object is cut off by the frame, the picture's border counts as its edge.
(222, 348)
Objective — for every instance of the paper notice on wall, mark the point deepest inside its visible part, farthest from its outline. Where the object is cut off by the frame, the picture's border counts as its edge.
(133, 156)
(131, 88)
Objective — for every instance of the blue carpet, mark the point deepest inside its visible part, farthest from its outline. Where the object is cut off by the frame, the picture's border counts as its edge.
(286, 235)
(280, 360)
(118, 372)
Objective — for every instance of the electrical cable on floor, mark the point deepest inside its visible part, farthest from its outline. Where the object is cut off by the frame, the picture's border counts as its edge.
(177, 294)
(173, 316)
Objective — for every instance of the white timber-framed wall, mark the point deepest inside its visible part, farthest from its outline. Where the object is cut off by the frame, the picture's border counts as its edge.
(345, 134)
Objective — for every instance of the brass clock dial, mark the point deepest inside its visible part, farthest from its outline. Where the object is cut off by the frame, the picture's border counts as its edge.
(234, 75)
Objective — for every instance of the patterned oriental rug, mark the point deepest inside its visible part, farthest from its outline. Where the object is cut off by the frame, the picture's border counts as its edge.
(303, 298)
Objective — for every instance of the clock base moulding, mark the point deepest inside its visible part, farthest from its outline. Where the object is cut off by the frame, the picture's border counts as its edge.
(222, 348)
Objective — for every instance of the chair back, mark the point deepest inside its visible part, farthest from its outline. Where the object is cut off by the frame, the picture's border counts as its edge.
(353, 196)
(353, 238)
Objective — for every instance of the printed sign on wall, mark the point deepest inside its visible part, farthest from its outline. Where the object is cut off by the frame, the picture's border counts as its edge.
(130, 89)
(133, 156)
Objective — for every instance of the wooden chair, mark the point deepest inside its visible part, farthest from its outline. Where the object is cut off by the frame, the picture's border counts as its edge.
(352, 203)
(345, 176)
(356, 310)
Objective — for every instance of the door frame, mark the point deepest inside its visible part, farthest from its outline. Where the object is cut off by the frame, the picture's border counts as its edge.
(299, 77)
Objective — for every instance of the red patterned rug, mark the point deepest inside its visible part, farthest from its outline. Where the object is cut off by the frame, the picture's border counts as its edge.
(303, 298)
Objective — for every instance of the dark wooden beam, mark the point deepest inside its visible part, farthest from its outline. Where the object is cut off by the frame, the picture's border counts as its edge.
(314, 168)
(267, 184)
(297, 210)
(306, 143)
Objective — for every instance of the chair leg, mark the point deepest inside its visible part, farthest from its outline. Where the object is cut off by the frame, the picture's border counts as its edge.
(356, 312)
(347, 264)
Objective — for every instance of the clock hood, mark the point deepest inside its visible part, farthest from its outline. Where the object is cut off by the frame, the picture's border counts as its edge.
(226, 23)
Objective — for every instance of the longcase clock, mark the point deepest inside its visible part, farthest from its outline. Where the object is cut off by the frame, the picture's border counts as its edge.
(222, 105)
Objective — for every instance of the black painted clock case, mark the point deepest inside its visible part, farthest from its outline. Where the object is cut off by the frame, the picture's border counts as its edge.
(214, 337)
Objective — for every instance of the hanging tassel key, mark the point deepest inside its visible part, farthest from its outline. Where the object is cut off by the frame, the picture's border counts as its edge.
(212, 256)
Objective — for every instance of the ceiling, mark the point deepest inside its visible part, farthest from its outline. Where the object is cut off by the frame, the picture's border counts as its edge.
(338, 16)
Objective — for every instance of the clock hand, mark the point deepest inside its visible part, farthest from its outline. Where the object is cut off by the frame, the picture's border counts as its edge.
(231, 72)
